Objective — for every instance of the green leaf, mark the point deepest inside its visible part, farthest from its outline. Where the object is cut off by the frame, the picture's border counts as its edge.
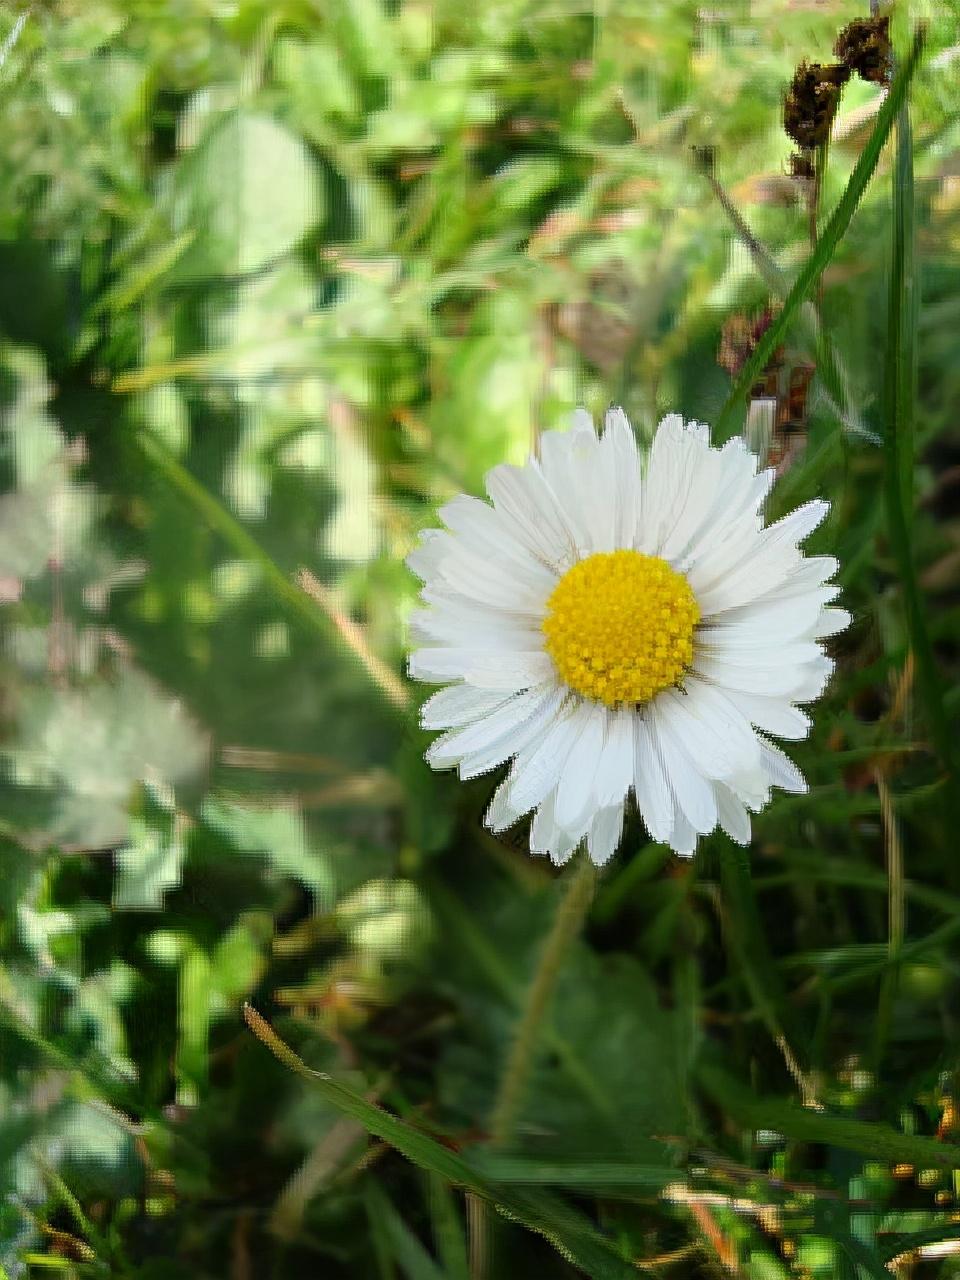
(88, 748)
(250, 192)
(277, 832)
(150, 863)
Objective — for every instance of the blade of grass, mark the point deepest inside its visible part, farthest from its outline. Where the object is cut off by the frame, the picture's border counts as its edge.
(805, 1125)
(570, 1233)
(858, 1253)
(580, 1175)
(901, 383)
(379, 1237)
(407, 1251)
(448, 1229)
(826, 244)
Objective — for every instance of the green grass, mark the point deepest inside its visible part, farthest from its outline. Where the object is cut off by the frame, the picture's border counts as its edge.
(278, 280)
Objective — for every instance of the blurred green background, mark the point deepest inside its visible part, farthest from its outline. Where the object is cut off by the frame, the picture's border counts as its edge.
(276, 279)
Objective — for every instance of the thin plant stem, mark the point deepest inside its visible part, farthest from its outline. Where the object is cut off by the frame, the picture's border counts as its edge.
(819, 174)
(896, 916)
(571, 911)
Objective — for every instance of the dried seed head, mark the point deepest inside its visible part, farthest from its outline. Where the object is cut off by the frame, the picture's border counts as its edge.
(864, 46)
(738, 340)
(801, 165)
(811, 101)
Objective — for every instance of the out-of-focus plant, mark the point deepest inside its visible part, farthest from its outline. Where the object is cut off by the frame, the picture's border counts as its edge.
(278, 278)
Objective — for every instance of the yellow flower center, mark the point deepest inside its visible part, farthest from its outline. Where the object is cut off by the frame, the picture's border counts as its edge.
(619, 626)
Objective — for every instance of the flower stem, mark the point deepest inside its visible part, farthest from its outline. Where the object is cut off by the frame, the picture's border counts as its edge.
(571, 911)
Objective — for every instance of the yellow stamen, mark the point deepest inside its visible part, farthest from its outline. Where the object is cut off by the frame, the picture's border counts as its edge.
(619, 627)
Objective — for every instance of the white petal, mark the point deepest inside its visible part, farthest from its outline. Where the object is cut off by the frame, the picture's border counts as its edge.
(563, 847)
(768, 680)
(451, 626)
(500, 583)
(547, 838)
(566, 459)
(734, 818)
(500, 812)
(694, 794)
(769, 622)
(654, 797)
(736, 650)
(775, 715)
(682, 839)
(781, 770)
(604, 834)
(615, 771)
(810, 573)
(528, 507)
(751, 787)
(424, 559)
(619, 441)
(538, 771)
(575, 790)
(799, 524)
(668, 466)
(480, 528)
(723, 581)
(485, 670)
(543, 827)
(451, 747)
(812, 680)
(513, 739)
(459, 704)
(712, 730)
(831, 622)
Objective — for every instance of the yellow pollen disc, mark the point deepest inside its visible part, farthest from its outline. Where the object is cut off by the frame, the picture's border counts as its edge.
(619, 627)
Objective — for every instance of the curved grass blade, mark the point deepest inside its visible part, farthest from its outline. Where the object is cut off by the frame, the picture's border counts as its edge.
(806, 1125)
(570, 1233)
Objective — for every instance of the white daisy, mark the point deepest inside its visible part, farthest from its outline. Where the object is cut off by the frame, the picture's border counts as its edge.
(611, 625)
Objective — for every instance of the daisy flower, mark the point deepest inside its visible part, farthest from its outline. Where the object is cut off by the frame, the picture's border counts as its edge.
(614, 625)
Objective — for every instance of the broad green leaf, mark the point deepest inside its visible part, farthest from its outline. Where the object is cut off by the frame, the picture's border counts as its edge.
(250, 192)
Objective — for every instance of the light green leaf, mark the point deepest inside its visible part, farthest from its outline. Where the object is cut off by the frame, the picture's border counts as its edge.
(250, 191)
